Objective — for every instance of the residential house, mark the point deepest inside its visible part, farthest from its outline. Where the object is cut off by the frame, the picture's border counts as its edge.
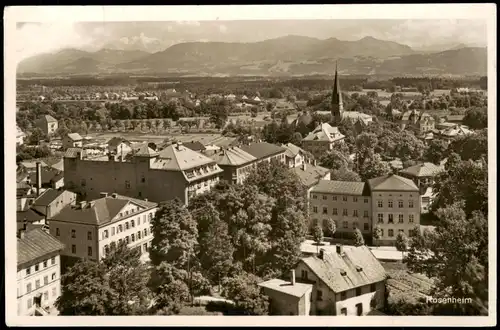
(347, 203)
(174, 172)
(304, 165)
(20, 136)
(51, 178)
(455, 119)
(47, 124)
(264, 151)
(88, 228)
(38, 272)
(426, 199)
(118, 146)
(395, 206)
(322, 139)
(52, 201)
(288, 297)
(421, 121)
(453, 132)
(72, 140)
(235, 163)
(346, 282)
(422, 174)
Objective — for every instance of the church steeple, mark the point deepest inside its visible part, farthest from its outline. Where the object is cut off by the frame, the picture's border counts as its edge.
(337, 105)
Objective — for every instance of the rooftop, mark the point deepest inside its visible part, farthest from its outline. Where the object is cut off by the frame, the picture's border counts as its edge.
(292, 150)
(423, 170)
(73, 152)
(262, 150)
(195, 145)
(47, 197)
(232, 156)
(392, 182)
(35, 244)
(355, 267)
(324, 132)
(297, 290)
(341, 187)
(48, 175)
(75, 136)
(49, 119)
(311, 175)
(179, 158)
(115, 141)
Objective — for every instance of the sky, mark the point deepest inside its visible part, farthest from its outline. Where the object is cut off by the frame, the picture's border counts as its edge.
(157, 36)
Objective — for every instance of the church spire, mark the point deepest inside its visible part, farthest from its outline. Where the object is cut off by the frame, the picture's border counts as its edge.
(337, 105)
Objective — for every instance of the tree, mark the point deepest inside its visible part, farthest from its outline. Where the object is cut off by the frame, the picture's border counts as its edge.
(358, 238)
(408, 147)
(246, 295)
(377, 233)
(455, 254)
(331, 225)
(344, 174)
(476, 118)
(36, 136)
(373, 167)
(472, 146)
(402, 242)
(317, 233)
(171, 289)
(335, 160)
(436, 151)
(296, 139)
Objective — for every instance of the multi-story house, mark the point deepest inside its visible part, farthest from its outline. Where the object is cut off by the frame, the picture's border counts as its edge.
(72, 140)
(47, 124)
(395, 206)
(174, 172)
(421, 121)
(118, 146)
(304, 165)
(52, 201)
(347, 203)
(265, 152)
(350, 281)
(322, 139)
(38, 272)
(88, 228)
(422, 174)
(235, 163)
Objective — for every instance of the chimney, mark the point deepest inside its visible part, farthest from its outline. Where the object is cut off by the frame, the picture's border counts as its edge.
(321, 254)
(38, 178)
(304, 166)
(104, 194)
(314, 162)
(293, 276)
(340, 249)
(22, 232)
(114, 195)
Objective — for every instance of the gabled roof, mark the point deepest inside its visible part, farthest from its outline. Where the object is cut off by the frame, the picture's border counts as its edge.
(48, 175)
(31, 164)
(455, 117)
(75, 136)
(145, 151)
(179, 158)
(324, 132)
(311, 175)
(423, 170)
(262, 150)
(232, 156)
(359, 264)
(47, 197)
(73, 152)
(29, 216)
(392, 182)
(341, 188)
(195, 145)
(115, 141)
(292, 150)
(35, 244)
(297, 290)
(49, 119)
(100, 211)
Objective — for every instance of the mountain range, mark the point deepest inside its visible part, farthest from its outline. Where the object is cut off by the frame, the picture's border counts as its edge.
(289, 55)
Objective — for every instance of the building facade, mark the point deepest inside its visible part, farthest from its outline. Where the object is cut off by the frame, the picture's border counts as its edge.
(322, 139)
(47, 124)
(38, 272)
(72, 140)
(88, 228)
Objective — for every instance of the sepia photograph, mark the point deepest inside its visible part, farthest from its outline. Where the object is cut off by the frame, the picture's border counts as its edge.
(237, 165)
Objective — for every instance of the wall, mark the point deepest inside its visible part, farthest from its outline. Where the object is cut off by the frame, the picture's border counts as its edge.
(406, 211)
(363, 208)
(281, 303)
(66, 198)
(365, 299)
(50, 291)
(81, 240)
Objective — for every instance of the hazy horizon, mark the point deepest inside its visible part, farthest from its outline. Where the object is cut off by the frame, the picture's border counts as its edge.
(157, 36)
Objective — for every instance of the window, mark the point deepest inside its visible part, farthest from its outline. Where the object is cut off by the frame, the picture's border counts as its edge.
(138, 221)
(73, 249)
(345, 224)
(391, 232)
(343, 295)
(127, 184)
(390, 203)
(120, 241)
(334, 212)
(89, 251)
(410, 203)
(30, 302)
(84, 183)
(132, 237)
(53, 260)
(45, 264)
(344, 198)
(358, 292)
(373, 287)
(381, 233)
(315, 196)
(126, 212)
(355, 199)
(324, 197)
(319, 295)
(343, 311)
(46, 295)
(28, 271)
(53, 276)
(150, 216)
(28, 288)
(144, 219)
(304, 274)
(126, 225)
(344, 212)
(380, 204)
(132, 223)
(58, 233)
(400, 218)
(365, 214)
(37, 266)
(355, 213)
(145, 247)
(401, 231)
(73, 233)
(145, 232)
(112, 231)
(380, 218)
(391, 218)
(366, 226)
(334, 198)
(89, 236)
(366, 200)
(400, 204)
(411, 218)
(143, 179)
(54, 292)
(105, 234)
(127, 239)
(138, 235)
(37, 284)
(315, 209)
(359, 309)
(120, 228)
(45, 280)
(121, 214)
(325, 210)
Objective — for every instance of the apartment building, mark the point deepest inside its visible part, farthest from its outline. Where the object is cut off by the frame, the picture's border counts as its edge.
(88, 228)
(174, 172)
(38, 272)
(347, 203)
(422, 174)
(348, 282)
(395, 206)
